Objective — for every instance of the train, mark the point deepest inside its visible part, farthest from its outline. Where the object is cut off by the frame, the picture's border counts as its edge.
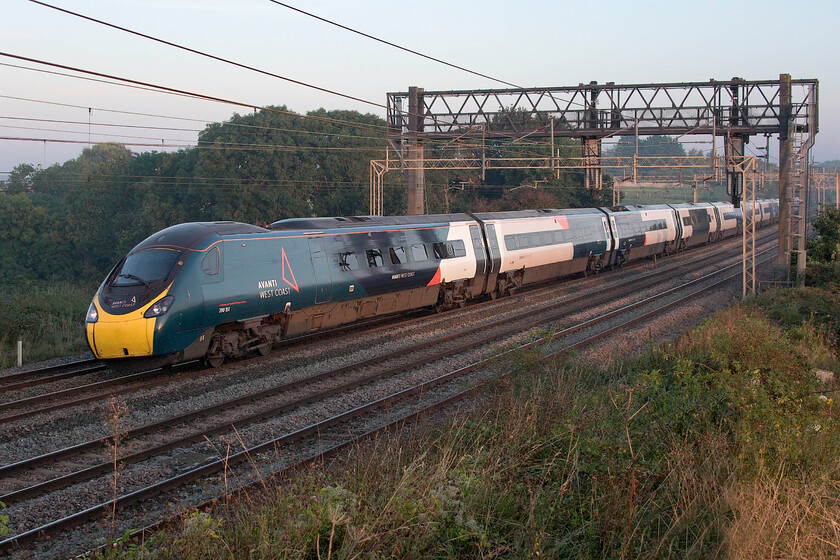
(213, 291)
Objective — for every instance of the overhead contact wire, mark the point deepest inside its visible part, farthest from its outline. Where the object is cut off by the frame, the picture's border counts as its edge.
(390, 44)
(217, 58)
(181, 91)
(208, 55)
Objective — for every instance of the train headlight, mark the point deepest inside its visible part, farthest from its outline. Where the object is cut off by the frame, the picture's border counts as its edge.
(160, 307)
(92, 314)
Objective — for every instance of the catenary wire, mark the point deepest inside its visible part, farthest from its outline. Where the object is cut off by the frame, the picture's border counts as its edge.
(181, 143)
(176, 129)
(390, 44)
(245, 66)
(195, 95)
(208, 146)
(164, 89)
(102, 134)
(468, 145)
(210, 56)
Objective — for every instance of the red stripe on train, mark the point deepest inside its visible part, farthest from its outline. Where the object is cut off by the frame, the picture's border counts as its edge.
(435, 279)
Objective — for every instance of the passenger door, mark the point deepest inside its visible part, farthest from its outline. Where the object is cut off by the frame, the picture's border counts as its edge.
(480, 261)
(212, 290)
(321, 267)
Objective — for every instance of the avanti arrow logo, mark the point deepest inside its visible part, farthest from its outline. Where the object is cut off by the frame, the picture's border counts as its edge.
(287, 269)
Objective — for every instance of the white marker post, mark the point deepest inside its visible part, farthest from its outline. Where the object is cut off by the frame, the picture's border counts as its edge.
(20, 353)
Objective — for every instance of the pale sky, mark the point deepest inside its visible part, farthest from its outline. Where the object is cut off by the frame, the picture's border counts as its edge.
(530, 43)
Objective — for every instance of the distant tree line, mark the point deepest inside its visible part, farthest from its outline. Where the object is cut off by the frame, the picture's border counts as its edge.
(75, 220)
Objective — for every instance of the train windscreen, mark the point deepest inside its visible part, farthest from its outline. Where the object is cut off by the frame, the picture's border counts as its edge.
(146, 267)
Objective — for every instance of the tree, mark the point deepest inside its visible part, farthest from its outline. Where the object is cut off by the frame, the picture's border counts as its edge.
(823, 267)
(20, 179)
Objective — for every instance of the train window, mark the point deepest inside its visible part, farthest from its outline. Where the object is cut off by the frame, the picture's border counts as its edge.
(686, 220)
(210, 263)
(348, 261)
(419, 253)
(398, 255)
(440, 250)
(457, 249)
(374, 257)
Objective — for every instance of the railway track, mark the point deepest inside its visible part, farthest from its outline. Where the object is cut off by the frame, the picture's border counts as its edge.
(226, 414)
(21, 380)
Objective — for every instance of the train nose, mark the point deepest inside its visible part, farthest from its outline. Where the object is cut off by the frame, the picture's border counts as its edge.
(120, 337)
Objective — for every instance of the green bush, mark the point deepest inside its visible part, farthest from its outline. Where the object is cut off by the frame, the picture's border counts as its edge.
(723, 442)
(49, 319)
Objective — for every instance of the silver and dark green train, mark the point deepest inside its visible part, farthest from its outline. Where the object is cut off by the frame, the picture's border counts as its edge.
(215, 290)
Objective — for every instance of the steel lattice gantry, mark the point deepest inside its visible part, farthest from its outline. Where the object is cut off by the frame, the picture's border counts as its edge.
(734, 110)
(739, 107)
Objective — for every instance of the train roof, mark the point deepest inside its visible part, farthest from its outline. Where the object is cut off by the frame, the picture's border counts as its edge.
(365, 221)
(519, 214)
(637, 208)
(691, 205)
(193, 233)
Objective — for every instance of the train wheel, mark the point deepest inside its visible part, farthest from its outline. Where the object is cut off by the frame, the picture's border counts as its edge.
(215, 356)
(264, 349)
(214, 361)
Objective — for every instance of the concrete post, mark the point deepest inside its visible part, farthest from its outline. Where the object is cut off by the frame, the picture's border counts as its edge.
(734, 148)
(785, 154)
(805, 194)
(415, 175)
(593, 177)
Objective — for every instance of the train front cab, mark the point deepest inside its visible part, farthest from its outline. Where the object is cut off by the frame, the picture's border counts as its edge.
(122, 317)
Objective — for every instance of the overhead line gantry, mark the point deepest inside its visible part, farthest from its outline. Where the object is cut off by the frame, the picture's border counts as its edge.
(732, 109)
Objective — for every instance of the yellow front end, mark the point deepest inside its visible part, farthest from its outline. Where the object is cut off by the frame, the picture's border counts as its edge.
(122, 336)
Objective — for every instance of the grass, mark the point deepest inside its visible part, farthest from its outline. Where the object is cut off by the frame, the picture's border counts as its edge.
(49, 319)
(721, 444)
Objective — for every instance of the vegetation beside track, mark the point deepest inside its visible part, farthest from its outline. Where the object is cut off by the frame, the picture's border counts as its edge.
(48, 318)
(722, 443)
